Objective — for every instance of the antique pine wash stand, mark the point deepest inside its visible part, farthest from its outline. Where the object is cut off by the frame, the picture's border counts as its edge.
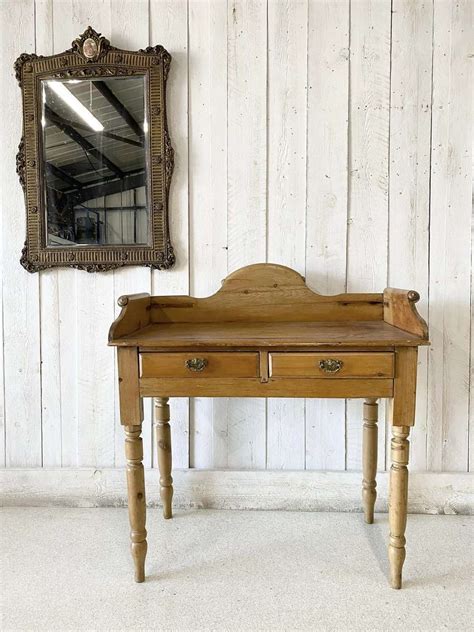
(266, 334)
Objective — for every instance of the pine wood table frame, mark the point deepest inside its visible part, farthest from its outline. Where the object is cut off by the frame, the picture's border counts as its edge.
(266, 334)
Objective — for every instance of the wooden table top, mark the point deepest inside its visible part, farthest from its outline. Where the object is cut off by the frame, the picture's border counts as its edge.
(271, 334)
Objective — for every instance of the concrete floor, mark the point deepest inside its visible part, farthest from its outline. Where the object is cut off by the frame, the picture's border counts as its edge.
(69, 569)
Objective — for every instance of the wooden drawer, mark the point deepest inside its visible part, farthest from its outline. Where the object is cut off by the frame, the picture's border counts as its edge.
(331, 365)
(199, 364)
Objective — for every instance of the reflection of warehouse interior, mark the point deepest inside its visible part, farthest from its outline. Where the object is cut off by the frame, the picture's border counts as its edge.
(94, 154)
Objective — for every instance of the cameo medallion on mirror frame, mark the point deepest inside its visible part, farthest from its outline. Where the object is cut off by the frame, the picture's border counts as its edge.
(95, 159)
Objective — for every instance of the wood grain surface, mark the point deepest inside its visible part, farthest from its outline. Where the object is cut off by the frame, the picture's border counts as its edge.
(371, 333)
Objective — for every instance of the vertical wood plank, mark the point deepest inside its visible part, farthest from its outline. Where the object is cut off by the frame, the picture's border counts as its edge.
(449, 310)
(130, 30)
(95, 371)
(3, 229)
(287, 55)
(368, 175)
(247, 191)
(410, 137)
(68, 330)
(326, 215)
(169, 27)
(471, 376)
(2, 375)
(21, 318)
(247, 132)
(208, 195)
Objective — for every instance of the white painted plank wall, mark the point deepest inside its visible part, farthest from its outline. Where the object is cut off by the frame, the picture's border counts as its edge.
(449, 309)
(21, 297)
(328, 135)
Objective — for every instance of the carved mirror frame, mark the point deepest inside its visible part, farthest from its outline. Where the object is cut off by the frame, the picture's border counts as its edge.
(92, 56)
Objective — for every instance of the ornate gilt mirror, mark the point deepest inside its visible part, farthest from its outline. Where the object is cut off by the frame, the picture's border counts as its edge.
(95, 159)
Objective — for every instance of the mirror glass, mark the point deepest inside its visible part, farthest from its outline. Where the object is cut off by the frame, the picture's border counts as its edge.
(94, 139)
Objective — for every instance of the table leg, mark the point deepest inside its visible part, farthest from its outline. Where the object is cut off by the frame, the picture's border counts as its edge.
(398, 502)
(136, 498)
(163, 446)
(369, 457)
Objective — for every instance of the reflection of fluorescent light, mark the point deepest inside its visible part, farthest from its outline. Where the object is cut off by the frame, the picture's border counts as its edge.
(145, 126)
(74, 103)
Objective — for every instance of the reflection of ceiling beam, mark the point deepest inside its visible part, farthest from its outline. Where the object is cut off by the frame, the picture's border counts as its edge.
(62, 175)
(107, 93)
(116, 208)
(107, 179)
(107, 187)
(120, 139)
(82, 168)
(80, 140)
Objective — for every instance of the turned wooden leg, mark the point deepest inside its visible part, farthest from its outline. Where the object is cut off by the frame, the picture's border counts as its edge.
(136, 498)
(163, 446)
(369, 458)
(398, 502)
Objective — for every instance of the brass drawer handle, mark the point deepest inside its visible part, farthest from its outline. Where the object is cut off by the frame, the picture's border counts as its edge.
(196, 364)
(330, 366)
